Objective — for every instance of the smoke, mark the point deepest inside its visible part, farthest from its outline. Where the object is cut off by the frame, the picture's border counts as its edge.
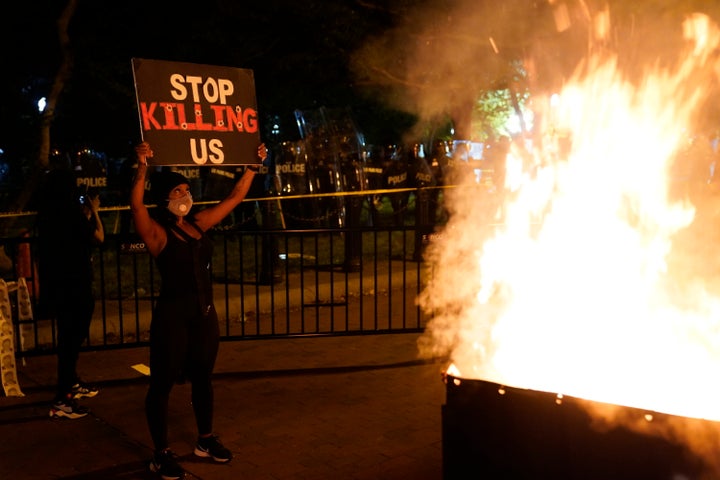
(591, 246)
(438, 59)
(441, 56)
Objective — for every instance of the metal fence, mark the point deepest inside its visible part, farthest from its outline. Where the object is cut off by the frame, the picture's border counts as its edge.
(268, 283)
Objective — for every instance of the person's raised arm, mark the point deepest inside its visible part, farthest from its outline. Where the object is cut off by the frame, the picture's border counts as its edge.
(209, 217)
(150, 232)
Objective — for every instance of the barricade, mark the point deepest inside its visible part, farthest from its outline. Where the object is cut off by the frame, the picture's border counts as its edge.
(303, 283)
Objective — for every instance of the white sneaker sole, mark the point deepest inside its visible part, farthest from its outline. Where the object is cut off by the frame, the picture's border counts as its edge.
(86, 395)
(204, 454)
(58, 413)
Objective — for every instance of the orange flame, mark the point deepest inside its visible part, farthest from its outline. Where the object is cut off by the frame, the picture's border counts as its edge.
(578, 292)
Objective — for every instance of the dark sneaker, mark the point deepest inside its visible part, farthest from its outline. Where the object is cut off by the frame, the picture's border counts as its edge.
(211, 447)
(80, 390)
(164, 464)
(67, 408)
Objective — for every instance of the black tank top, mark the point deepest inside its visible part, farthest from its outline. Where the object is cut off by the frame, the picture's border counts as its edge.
(184, 266)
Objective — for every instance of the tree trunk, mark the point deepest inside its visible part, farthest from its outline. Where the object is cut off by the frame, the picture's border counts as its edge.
(48, 115)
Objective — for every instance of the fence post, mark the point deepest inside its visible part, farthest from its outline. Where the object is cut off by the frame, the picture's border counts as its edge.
(423, 223)
(270, 273)
(353, 235)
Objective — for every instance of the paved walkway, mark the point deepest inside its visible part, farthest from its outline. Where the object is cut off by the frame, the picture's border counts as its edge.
(308, 408)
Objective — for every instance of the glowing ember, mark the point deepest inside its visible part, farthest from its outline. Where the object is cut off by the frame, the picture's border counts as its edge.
(589, 287)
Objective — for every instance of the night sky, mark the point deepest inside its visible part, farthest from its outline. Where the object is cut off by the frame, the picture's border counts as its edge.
(422, 57)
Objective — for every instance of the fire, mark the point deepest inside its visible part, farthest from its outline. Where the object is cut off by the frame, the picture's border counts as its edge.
(590, 286)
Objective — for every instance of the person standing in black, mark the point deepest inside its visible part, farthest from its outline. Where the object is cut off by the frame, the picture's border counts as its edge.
(69, 228)
(184, 331)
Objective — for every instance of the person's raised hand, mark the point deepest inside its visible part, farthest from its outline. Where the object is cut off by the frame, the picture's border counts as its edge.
(143, 152)
(262, 152)
(94, 202)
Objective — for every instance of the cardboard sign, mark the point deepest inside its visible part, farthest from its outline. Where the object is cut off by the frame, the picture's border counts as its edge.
(194, 114)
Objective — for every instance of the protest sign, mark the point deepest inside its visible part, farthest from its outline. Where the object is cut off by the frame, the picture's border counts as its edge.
(193, 114)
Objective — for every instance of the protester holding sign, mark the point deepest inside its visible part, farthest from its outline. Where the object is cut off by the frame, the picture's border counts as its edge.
(184, 332)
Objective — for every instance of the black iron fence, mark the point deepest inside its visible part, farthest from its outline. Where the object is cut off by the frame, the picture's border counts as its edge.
(363, 278)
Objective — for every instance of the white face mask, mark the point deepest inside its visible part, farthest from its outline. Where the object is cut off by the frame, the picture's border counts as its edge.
(180, 206)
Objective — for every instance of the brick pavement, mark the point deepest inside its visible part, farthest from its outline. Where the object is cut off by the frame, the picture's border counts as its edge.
(362, 407)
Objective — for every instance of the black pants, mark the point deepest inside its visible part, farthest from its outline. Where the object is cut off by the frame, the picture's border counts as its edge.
(184, 343)
(73, 309)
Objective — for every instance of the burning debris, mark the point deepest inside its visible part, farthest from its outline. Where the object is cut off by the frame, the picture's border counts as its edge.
(496, 432)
